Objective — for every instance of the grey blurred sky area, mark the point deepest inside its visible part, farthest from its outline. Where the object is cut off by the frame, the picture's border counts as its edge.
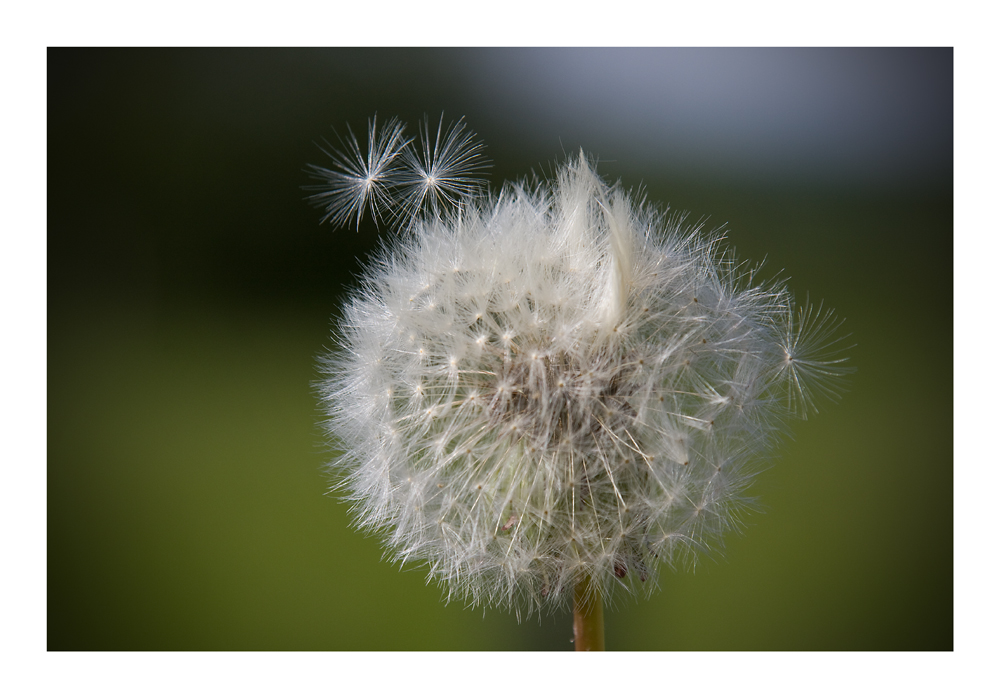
(865, 116)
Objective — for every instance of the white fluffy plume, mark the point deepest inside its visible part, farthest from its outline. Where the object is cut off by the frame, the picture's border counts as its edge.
(559, 383)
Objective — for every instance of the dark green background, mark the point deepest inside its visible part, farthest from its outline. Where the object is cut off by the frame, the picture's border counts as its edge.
(191, 289)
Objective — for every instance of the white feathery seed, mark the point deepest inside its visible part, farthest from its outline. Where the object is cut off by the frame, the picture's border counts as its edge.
(557, 383)
(442, 173)
(359, 179)
(395, 178)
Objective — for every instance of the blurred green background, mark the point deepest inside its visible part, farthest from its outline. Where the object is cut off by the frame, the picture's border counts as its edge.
(190, 290)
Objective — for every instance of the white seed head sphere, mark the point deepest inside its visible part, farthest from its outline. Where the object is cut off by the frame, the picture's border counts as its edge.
(559, 384)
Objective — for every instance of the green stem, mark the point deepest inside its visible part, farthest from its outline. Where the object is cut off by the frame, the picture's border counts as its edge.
(588, 618)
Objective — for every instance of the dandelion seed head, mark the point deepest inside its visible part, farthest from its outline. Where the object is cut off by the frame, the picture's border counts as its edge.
(557, 382)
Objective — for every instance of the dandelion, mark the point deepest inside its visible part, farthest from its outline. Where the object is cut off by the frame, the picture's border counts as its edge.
(545, 393)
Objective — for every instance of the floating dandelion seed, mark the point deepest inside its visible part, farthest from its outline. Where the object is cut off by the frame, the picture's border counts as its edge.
(359, 180)
(560, 387)
(813, 365)
(397, 179)
(442, 173)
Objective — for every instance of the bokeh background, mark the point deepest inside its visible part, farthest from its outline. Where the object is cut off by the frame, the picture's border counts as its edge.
(190, 290)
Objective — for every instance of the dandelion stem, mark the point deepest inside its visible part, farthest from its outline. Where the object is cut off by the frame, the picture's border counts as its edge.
(588, 618)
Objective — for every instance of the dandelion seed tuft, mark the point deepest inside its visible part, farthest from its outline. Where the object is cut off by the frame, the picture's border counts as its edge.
(359, 181)
(442, 173)
(555, 383)
(396, 182)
